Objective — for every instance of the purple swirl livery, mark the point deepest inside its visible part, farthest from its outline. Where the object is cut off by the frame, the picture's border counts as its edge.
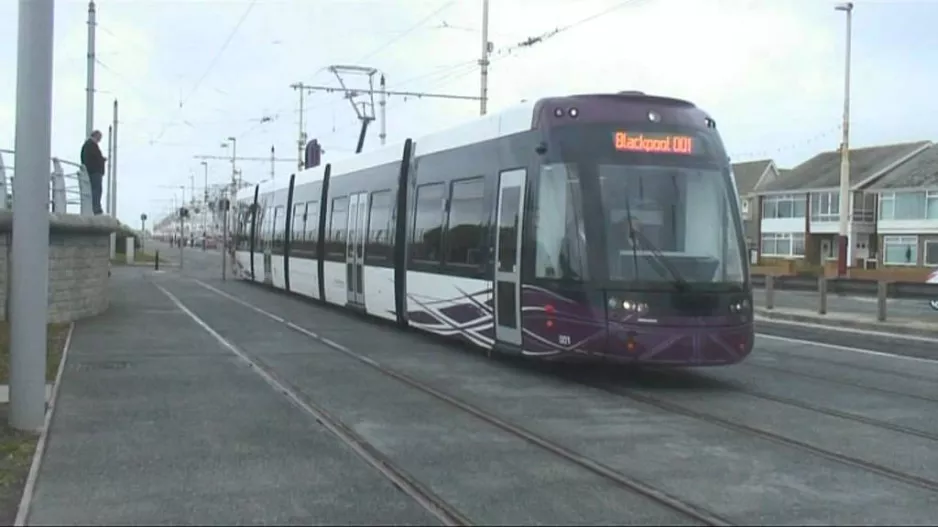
(678, 341)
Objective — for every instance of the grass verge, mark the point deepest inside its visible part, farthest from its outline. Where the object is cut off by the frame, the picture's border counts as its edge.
(17, 448)
(16, 455)
(55, 342)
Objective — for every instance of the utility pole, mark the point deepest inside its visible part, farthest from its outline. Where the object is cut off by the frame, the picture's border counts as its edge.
(384, 111)
(301, 138)
(843, 244)
(366, 112)
(29, 286)
(204, 202)
(484, 61)
(89, 90)
(273, 162)
(113, 161)
(112, 198)
(110, 147)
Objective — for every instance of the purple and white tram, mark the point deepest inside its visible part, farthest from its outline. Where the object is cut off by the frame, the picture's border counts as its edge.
(596, 227)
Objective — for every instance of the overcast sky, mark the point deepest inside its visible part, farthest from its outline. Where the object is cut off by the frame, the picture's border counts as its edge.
(189, 73)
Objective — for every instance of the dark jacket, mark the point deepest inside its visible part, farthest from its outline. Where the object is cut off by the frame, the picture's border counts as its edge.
(92, 158)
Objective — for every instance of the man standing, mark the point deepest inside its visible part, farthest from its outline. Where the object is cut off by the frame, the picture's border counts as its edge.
(94, 162)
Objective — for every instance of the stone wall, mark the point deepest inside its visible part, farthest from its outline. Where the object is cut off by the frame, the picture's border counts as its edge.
(78, 265)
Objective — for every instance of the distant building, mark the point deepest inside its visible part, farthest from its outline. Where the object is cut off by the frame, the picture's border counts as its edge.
(749, 176)
(799, 211)
(908, 211)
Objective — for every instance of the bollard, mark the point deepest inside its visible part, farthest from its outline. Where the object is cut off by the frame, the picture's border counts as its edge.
(881, 289)
(822, 293)
(156, 262)
(769, 292)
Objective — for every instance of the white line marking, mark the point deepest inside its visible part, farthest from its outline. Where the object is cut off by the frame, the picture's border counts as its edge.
(847, 348)
(827, 327)
(22, 512)
(320, 417)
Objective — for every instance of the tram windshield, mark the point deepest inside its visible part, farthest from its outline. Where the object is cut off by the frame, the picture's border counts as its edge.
(669, 223)
(646, 218)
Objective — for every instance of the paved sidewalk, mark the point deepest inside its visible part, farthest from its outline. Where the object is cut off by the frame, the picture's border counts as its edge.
(157, 423)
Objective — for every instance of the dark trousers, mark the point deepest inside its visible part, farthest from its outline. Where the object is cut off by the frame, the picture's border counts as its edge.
(96, 192)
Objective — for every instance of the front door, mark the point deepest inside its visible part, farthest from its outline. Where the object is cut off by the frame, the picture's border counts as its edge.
(508, 256)
(355, 248)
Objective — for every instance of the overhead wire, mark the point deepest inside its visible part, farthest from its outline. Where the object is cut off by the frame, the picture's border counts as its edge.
(408, 31)
(211, 65)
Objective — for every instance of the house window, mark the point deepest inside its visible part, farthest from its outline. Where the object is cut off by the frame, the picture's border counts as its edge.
(931, 205)
(909, 205)
(783, 245)
(825, 207)
(783, 206)
(931, 252)
(900, 250)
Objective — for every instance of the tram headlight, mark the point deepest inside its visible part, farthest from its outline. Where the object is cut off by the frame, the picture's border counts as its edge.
(630, 306)
(740, 306)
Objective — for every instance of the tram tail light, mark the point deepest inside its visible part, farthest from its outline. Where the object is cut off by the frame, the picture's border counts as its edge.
(630, 344)
(550, 312)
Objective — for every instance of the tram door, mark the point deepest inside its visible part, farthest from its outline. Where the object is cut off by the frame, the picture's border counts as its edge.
(355, 248)
(508, 256)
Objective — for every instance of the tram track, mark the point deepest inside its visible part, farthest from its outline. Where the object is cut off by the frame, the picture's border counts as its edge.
(845, 382)
(797, 403)
(881, 470)
(686, 509)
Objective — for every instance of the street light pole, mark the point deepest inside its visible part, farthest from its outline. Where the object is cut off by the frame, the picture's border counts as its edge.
(204, 202)
(29, 287)
(843, 243)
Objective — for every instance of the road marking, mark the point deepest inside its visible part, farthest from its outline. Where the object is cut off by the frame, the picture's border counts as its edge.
(847, 348)
(854, 331)
(22, 512)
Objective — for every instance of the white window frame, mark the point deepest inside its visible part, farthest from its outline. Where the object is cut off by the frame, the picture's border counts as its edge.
(904, 241)
(930, 249)
(791, 237)
(931, 200)
(793, 199)
(832, 200)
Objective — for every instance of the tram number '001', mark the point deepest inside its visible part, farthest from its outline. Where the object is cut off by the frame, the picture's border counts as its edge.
(564, 340)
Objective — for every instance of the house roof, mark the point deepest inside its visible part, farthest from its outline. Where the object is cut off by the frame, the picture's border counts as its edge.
(823, 170)
(919, 172)
(748, 174)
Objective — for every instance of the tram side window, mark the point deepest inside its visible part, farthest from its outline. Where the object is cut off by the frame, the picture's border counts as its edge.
(297, 222)
(338, 227)
(560, 233)
(428, 223)
(279, 226)
(378, 247)
(464, 225)
(243, 237)
(311, 225)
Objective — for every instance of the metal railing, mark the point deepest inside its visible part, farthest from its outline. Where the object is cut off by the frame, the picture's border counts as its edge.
(69, 185)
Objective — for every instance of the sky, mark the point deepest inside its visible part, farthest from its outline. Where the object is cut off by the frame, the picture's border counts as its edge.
(190, 73)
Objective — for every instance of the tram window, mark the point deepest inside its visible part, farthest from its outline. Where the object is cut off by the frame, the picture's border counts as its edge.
(280, 219)
(311, 222)
(379, 227)
(297, 221)
(464, 226)
(561, 238)
(428, 223)
(338, 226)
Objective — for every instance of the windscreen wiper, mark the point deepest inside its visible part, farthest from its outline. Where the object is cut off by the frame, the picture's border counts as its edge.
(678, 279)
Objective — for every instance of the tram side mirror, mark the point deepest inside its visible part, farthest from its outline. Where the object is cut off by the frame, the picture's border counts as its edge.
(541, 148)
